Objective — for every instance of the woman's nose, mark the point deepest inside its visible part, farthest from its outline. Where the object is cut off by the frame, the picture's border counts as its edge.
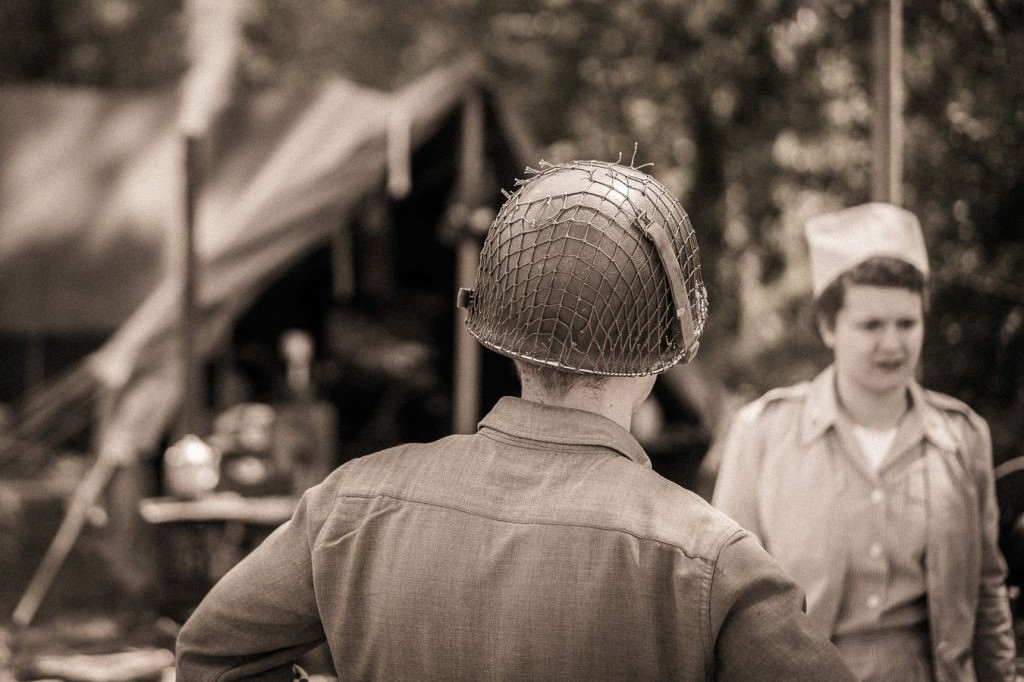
(890, 337)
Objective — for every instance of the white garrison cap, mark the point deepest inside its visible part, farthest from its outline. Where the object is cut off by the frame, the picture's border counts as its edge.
(840, 240)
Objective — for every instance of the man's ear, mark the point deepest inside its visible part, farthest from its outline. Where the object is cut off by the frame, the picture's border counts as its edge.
(826, 331)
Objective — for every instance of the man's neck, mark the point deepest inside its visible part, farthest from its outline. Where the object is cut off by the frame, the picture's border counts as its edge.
(616, 399)
(585, 400)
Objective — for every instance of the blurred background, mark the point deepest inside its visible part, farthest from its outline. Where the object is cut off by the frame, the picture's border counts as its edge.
(246, 221)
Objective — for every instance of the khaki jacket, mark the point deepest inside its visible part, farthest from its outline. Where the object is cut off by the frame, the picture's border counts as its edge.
(776, 481)
(542, 547)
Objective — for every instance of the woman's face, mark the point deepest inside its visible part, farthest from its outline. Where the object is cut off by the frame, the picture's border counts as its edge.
(877, 337)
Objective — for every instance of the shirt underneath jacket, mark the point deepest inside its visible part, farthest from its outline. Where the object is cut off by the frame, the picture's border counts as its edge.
(542, 547)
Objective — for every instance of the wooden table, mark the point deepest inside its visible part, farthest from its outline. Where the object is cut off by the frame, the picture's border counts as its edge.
(198, 541)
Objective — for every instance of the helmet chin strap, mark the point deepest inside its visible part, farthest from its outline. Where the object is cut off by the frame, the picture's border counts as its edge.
(677, 286)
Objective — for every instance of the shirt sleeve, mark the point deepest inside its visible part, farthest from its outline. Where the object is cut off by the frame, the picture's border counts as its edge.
(736, 483)
(262, 615)
(757, 617)
(993, 632)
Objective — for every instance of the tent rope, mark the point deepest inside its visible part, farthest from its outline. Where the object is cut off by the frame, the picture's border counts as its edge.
(46, 416)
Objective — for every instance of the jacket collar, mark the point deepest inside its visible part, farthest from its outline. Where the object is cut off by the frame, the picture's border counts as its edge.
(822, 411)
(523, 419)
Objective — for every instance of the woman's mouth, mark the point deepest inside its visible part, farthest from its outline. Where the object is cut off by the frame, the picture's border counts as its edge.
(889, 365)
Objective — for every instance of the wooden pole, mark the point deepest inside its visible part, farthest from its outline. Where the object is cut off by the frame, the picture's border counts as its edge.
(214, 43)
(887, 109)
(115, 456)
(84, 498)
(192, 409)
(466, 398)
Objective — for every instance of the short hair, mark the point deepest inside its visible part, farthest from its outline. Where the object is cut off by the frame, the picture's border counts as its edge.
(878, 271)
(554, 381)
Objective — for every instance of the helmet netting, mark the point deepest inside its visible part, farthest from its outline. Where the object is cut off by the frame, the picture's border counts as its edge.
(569, 278)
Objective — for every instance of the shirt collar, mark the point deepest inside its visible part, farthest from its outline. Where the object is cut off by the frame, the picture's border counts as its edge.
(562, 426)
(822, 412)
(821, 407)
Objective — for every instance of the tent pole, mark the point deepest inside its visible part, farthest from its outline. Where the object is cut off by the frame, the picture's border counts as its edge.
(214, 42)
(887, 109)
(82, 501)
(86, 495)
(192, 410)
(466, 398)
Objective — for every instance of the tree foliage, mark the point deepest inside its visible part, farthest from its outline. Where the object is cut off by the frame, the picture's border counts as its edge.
(755, 112)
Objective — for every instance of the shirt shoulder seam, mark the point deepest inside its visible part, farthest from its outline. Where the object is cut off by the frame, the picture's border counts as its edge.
(626, 531)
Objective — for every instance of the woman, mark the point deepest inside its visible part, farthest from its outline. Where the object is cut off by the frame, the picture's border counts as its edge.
(875, 494)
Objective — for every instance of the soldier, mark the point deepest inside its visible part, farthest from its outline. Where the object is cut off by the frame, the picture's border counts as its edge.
(875, 494)
(543, 546)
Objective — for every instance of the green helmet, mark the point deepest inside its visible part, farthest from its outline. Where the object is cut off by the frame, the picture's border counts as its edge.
(590, 267)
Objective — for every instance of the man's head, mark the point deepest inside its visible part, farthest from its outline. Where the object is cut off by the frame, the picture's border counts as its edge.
(590, 268)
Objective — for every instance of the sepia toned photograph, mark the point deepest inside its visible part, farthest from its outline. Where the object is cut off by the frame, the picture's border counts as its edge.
(523, 340)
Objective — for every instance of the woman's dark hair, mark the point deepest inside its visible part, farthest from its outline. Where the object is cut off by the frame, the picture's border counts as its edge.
(879, 271)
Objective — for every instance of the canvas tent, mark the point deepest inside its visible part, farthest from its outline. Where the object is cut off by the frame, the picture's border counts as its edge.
(91, 209)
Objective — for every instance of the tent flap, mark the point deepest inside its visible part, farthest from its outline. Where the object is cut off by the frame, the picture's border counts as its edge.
(287, 171)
